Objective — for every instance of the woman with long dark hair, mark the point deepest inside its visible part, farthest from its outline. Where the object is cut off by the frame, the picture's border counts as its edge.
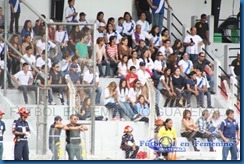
(112, 52)
(129, 26)
(27, 30)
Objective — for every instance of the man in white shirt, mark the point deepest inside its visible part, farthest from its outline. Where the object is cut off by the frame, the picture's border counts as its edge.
(139, 34)
(185, 65)
(193, 44)
(41, 46)
(41, 61)
(24, 80)
(29, 57)
(88, 78)
(166, 49)
(142, 21)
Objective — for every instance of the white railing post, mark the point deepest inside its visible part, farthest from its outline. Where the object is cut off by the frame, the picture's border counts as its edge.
(193, 20)
(169, 21)
(234, 90)
(184, 32)
(217, 81)
(227, 59)
(211, 28)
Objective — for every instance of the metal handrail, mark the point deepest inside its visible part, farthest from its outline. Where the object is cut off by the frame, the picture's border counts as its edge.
(234, 48)
(223, 90)
(176, 29)
(173, 35)
(177, 19)
(208, 54)
(224, 72)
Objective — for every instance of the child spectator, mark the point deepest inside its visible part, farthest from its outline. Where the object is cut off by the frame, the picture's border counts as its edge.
(191, 88)
(85, 111)
(131, 77)
(165, 86)
(111, 100)
(202, 89)
(128, 143)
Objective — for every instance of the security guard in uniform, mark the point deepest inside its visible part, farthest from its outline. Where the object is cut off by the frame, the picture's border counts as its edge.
(21, 131)
(73, 138)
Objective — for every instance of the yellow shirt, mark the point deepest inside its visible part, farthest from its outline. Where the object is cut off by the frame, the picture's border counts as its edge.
(166, 133)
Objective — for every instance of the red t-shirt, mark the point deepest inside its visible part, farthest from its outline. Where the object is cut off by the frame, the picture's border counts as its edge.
(130, 78)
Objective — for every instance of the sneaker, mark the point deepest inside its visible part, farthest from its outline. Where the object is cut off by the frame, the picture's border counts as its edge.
(212, 92)
(136, 117)
(122, 119)
(52, 103)
(114, 119)
(10, 86)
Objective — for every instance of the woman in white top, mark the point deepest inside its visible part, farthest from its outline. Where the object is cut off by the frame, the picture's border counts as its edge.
(100, 18)
(134, 61)
(111, 100)
(215, 123)
(124, 100)
(122, 67)
(101, 53)
(156, 40)
(134, 93)
(112, 32)
(61, 40)
(129, 27)
(148, 60)
(185, 65)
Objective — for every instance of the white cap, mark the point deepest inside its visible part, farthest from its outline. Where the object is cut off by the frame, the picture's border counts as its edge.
(101, 24)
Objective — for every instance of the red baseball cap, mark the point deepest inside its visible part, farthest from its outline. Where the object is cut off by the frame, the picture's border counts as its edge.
(1, 112)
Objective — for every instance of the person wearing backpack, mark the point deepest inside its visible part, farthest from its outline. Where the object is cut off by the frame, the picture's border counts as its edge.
(230, 133)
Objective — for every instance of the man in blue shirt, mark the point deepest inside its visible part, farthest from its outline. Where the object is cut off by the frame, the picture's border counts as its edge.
(230, 133)
(157, 7)
(15, 13)
(2, 130)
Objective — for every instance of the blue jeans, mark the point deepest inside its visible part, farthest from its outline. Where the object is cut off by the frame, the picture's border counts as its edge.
(214, 131)
(211, 82)
(232, 148)
(201, 99)
(193, 57)
(98, 94)
(127, 109)
(1, 150)
(158, 20)
(107, 70)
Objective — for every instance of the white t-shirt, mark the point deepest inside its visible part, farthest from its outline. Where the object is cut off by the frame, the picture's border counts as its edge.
(156, 40)
(117, 35)
(122, 95)
(107, 94)
(83, 24)
(165, 52)
(161, 85)
(23, 78)
(61, 35)
(195, 49)
(133, 95)
(88, 77)
(69, 11)
(64, 66)
(42, 45)
(40, 62)
(149, 64)
(201, 81)
(158, 65)
(130, 63)
(185, 65)
(30, 59)
(143, 76)
(123, 69)
(129, 27)
(144, 25)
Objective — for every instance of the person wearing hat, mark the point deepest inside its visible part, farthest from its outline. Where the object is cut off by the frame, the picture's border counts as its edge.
(101, 31)
(2, 130)
(128, 143)
(88, 78)
(21, 131)
(203, 29)
(82, 20)
(28, 56)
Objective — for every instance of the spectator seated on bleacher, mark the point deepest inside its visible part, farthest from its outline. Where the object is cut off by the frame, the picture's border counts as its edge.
(111, 32)
(156, 40)
(112, 52)
(178, 48)
(13, 59)
(148, 60)
(61, 40)
(215, 123)
(185, 65)
(40, 61)
(165, 34)
(27, 30)
(28, 55)
(142, 108)
(166, 48)
(159, 66)
(188, 128)
(122, 67)
(140, 34)
(131, 77)
(133, 61)
(27, 42)
(124, 49)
